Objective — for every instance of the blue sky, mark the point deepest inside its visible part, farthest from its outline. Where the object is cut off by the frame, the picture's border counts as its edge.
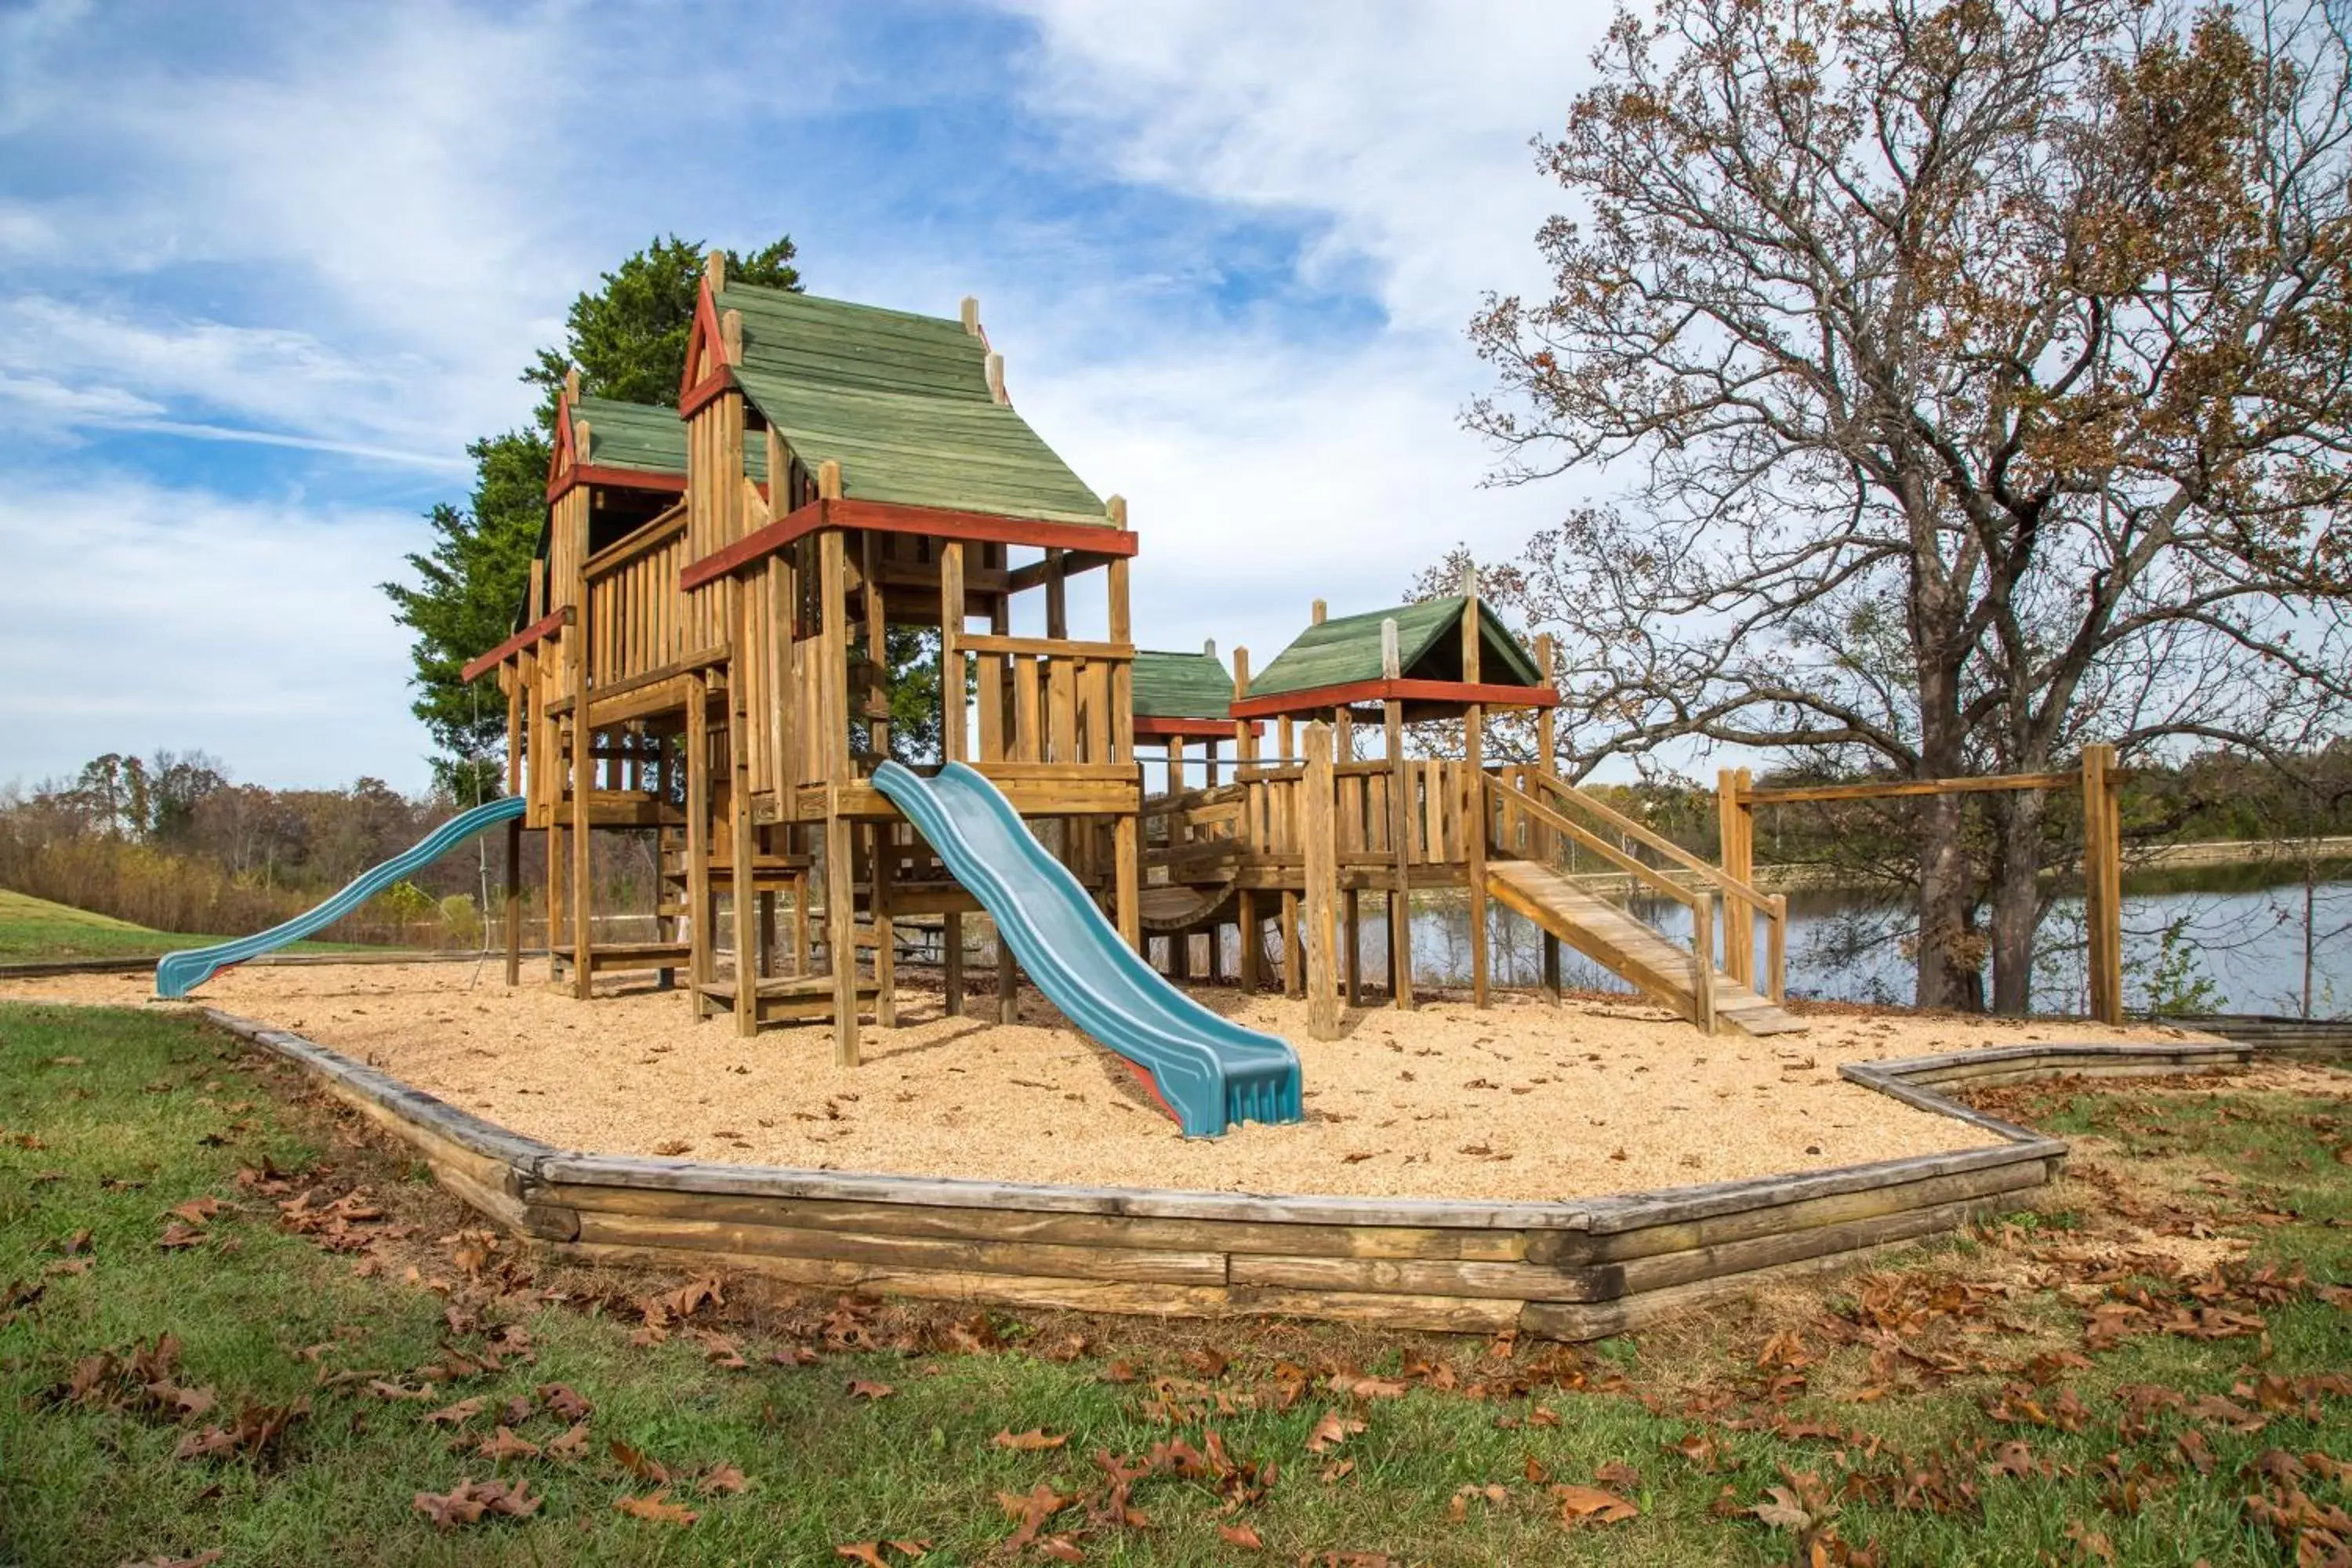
(264, 270)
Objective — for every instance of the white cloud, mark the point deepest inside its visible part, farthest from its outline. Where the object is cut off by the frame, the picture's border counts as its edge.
(1404, 126)
(134, 616)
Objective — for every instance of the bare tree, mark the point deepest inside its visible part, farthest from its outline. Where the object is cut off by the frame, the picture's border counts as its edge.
(1986, 366)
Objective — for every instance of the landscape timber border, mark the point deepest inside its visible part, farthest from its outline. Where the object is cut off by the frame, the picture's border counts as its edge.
(1580, 1270)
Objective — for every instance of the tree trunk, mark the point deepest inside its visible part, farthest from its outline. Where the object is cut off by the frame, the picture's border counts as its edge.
(2017, 901)
(1947, 967)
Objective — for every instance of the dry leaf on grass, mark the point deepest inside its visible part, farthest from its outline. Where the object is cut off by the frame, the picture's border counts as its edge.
(1332, 1431)
(456, 1414)
(656, 1505)
(505, 1445)
(1591, 1505)
(563, 1401)
(859, 1388)
(572, 1444)
(1240, 1535)
(872, 1552)
(469, 1501)
(1036, 1437)
(722, 1478)
(638, 1465)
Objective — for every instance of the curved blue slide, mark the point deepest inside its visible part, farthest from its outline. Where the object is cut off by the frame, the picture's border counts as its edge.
(181, 973)
(1208, 1071)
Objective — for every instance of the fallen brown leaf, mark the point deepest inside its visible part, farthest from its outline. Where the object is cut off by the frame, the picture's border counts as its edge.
(657, 1507)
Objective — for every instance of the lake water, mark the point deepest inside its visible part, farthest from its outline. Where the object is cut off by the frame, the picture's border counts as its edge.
(2244, 939)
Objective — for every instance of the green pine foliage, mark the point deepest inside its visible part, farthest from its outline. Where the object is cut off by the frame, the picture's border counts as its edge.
(628, 338)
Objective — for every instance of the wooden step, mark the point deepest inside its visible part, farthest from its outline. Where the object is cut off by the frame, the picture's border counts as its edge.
(1626, 947)
(606, 957)
(795, 999)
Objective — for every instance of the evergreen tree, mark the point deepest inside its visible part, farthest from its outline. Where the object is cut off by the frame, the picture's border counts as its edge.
(628, 338)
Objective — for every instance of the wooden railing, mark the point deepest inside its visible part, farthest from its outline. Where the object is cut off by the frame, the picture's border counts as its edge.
(1048, 700)
(1262, 816)
(1534, 815)
(635, 612)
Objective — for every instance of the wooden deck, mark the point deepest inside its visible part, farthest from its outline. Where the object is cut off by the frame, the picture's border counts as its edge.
(1626, 946)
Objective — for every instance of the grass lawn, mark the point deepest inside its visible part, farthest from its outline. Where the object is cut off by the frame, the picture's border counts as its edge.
(34, 929)
(233, 1322)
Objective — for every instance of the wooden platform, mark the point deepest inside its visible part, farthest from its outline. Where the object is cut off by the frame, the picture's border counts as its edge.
(1579, 1269)
(610, 957)
(798, 999)
(1626, 946)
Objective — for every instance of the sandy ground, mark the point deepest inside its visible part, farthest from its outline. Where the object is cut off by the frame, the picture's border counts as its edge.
(1523, 1101)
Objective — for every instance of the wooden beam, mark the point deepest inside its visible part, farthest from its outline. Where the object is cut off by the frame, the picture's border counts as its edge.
(1474, 789)
(648, 481)
(1353, 693)
(1893, 788)
(539, 631)
(891, 517)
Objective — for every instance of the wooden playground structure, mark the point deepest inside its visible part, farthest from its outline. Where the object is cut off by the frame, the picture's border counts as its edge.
(704, 657)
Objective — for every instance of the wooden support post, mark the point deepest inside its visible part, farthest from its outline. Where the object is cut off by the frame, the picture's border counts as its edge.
(742, 902)
(951, 671)
(1399, 829)
(1474, 791)
(2103, 883)
(1353, 935)
(769, 957)
(1252, 940)
(1776, 950)
(841, 934)
(702, 960)
(1542, 837)
(1319, 845)
(1008, 983)
(557, 857)
(1703, 962)
(1739, 921)
(951, 962)
(583, 787)
(514, 901)
(880, 870)
(1127, 839)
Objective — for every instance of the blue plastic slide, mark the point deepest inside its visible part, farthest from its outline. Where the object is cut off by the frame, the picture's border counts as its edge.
(181, 973)
(1207, 1071)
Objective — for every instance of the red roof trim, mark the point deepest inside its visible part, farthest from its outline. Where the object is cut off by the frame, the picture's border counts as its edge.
(1463, 691)
(892, 517)
(719, 382)
(704, 330)
(514, 645)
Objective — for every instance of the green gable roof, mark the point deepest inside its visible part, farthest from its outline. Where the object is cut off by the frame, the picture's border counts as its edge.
(1181, 686)
(1347, 649)
(901, 402)
(642, 437)
(648, 437)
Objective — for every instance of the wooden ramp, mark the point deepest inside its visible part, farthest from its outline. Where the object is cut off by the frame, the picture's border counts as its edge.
(1626, 946)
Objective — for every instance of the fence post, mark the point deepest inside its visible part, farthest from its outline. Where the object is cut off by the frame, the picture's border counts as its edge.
(2103, 883)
